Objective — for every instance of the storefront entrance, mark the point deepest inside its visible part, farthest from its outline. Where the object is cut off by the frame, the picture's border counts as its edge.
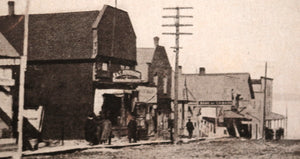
(112, 108)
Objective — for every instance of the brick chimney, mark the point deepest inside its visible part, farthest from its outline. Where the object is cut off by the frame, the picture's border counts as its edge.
(156, 41)
(202, 71)
(11, 8)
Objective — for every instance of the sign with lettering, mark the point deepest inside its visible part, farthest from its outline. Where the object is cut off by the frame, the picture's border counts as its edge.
(127, 76)
(147, 94)
(215, 102)
(7, 82)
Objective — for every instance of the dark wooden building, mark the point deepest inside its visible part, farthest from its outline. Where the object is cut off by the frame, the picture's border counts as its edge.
(156, 71)
(70, 57)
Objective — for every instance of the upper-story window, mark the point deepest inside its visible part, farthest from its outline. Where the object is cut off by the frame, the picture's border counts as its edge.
(155, 79)
(165, 80)
(124, 67)
(102, 66)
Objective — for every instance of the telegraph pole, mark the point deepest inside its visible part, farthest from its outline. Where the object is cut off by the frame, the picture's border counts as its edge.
(265, 103)
(23, 66)
(177, 25)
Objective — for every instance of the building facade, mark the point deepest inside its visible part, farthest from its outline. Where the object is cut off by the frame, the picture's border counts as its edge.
(76, 64)
(217, 104)
(273, 121)
(9, 79)
(156, 71)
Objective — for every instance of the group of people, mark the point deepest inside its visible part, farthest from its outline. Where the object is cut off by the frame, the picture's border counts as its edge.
(98, 129)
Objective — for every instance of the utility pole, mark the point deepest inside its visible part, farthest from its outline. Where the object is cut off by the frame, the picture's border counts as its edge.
(177, 25)
(265, 103)
(23, 66)
(286, 122)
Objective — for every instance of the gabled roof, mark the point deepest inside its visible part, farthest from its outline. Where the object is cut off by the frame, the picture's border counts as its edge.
(55, 36)
(143, 57)
(6, 50)
(52, 36)
(214, 87)
(274, 116)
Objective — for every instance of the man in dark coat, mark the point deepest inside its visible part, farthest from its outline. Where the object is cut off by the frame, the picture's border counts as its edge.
(190, 128)
(132, 128)
(91, 129)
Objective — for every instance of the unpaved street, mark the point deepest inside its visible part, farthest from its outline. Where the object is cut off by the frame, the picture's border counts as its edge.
(223, 148)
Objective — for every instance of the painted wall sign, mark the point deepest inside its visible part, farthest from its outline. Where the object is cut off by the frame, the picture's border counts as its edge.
(130, 76)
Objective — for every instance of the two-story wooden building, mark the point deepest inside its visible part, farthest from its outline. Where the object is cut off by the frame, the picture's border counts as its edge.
(78, 62)
(156, 71)
(9, 79)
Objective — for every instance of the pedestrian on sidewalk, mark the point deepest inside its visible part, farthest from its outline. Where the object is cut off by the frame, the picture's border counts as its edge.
(132, 128)
(90, 129)
(190, 128)
(99, 126)
(106, 131)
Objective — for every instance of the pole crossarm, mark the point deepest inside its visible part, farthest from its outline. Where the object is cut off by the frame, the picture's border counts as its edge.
(177, 33)
(179, 16)
(172, 8)
(174, 47)
(174, 25)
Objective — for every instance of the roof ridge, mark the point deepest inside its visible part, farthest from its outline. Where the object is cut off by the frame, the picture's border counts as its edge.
(210, 74)
(67, 12)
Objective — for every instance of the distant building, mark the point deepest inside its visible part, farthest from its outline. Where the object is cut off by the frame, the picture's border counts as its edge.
(218, 104)
(154, 65)
(9, 82)
(78, 62)
(274, 121)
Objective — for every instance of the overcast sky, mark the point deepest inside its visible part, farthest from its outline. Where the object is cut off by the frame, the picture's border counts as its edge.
(228, 36)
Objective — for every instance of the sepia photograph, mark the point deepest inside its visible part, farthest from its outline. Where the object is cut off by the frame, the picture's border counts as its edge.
(149, 79)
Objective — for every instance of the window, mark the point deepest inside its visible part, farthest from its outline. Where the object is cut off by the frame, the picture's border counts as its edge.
(155, 79)
(104, 66)
(127, 67)
(165, 84)
(124, 67)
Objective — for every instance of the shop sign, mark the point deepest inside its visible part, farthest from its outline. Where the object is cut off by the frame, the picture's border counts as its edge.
(124, 76)
(7, 82)
(147, 94)
(215, 102)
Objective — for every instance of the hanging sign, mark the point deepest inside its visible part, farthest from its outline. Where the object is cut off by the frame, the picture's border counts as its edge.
(127, 76)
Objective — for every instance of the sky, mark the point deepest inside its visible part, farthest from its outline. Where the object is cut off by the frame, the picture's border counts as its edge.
(228, 36)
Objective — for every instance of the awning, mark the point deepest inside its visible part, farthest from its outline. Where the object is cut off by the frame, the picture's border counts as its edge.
(274, 116)
(231, 114)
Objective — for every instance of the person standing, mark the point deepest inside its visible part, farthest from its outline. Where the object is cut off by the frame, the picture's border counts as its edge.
(106, 131)
(132, 128)
(99, 126)
(90, 129)
(190, 128)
